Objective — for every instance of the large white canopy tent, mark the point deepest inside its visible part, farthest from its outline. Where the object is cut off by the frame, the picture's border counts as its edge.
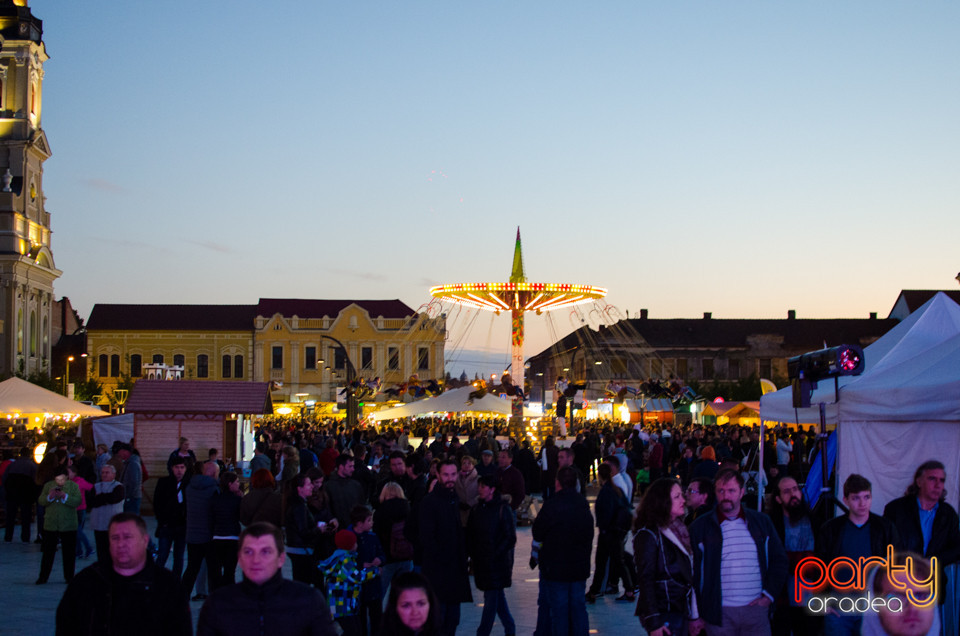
(26, 398)
(902, 411)
(452, 401)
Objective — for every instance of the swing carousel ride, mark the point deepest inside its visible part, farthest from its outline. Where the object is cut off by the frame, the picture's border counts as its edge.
(518, 296)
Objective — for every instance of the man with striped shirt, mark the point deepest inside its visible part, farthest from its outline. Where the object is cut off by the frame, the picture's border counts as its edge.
(739, 563)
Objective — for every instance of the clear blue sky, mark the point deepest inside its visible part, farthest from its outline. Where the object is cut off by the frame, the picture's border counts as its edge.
(743, 158)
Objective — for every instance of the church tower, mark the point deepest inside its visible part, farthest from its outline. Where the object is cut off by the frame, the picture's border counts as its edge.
(27, 269)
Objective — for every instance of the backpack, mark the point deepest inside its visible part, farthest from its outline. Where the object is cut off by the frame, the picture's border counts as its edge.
(400, 547)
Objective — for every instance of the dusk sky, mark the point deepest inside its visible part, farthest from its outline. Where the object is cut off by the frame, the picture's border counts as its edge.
(742, 158)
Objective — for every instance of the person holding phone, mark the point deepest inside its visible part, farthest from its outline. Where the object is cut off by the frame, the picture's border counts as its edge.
(60, 497)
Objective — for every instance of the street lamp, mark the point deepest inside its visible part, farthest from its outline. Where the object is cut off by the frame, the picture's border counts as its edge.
(66, 375)
(351, 376)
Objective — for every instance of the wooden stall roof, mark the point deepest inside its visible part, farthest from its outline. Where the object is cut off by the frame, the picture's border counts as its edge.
(199, 396)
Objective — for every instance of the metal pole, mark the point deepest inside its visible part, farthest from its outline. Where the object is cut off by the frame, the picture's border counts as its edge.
(825, 493)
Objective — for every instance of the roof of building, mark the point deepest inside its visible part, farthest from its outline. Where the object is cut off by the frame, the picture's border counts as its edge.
(804, 334)
(318, 308)
(914, 298)
(172, 317)
(199, 396)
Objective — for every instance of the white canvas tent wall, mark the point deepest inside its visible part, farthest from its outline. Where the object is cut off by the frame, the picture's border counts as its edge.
(452, 401)
(107, 430)
(903, 410)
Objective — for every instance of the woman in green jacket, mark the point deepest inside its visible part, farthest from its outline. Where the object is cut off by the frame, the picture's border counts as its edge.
(60, 497)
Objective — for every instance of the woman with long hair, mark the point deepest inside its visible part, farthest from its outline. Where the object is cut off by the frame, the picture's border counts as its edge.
(226, 530)
(262, 502)
(412, 608)
(389, 524)
(664, 560)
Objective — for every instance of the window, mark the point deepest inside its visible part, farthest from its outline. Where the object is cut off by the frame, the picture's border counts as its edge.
(136, 365)
(393, 358)
(310, 358)
(227, 365)
(733, 369)
(423, 358)
(103, 365)
(366, 357)
(33, 333)
(158, 358)
(277, 358)
(681, 368)
(203, 370)
(115, 366)
(707, 366)
(238, 366)
(764, 368)
(339, 358)
(178, 360)
(20, 331)
(656, 368)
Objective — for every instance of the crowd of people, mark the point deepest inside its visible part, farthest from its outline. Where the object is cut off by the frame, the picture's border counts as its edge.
(384, 537)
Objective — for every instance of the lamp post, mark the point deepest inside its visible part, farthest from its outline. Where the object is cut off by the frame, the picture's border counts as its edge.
(66, 375)
(351, 376)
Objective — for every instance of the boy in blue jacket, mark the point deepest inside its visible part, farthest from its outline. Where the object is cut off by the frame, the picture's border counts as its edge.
(344, 578)
(370, 553)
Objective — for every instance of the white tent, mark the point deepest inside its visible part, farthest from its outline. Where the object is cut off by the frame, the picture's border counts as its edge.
(452, 401)
(107, 430)
(20, 396)
(902, 411)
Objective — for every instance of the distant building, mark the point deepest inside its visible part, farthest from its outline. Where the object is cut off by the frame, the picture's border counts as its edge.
(27, 270)
(910, 300)
(703, 349)
(291, 343)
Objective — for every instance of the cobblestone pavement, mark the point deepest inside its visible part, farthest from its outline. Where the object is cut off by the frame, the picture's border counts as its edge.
(28, 609)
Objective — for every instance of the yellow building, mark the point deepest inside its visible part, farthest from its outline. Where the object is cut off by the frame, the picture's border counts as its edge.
(294, 343)
(297, 342)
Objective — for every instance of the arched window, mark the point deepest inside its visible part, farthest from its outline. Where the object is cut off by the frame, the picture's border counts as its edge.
(115, 366)
(203, 370)
(33, 333)
(225, 371)
(45, 334)
(178, 360)
(136, 365)
(103, 365)
(20, 331)
(238, 366)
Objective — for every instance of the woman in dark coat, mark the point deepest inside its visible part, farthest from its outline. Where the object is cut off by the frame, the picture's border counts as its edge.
(664, 560)
(389, 524)
(301, 529)
(263, 502)
(226, 530)
(491, 537)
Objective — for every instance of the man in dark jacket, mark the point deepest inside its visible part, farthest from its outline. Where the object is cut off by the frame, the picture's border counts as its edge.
(199, 498)
(736, 552)
(444, 547)
(857, 534)
(19, 481)
(925, 522)
(127, 594)
(564, 532)
(344, 491)
(510, 480)
(491, 536)
(797, 528)
(170, 508)
(264, 602)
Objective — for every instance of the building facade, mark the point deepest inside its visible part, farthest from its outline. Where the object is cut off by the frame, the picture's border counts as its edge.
(705, 350)
(27, 269)
(292, 343)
